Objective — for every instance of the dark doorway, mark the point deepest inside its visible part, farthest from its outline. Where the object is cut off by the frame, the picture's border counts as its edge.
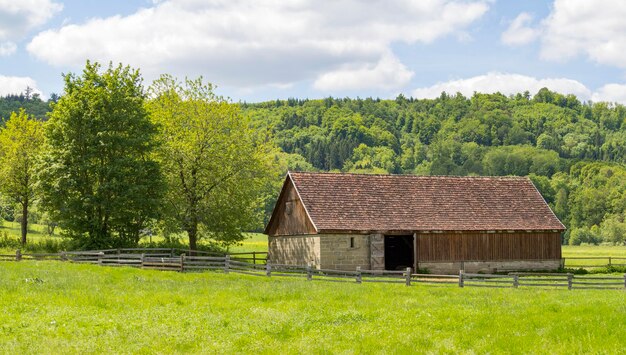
(398, 252)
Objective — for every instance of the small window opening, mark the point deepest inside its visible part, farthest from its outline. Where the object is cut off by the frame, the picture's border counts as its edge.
(351, 242)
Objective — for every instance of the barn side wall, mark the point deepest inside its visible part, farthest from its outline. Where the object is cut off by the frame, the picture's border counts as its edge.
(437, 252)
(324, 251)
(488, 252)
(337, 253)
(294, 250)
(500, 246)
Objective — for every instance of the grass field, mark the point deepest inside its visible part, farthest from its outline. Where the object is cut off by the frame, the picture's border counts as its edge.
(54, 307)
(36, 232)
(254, 242)
(593, 250)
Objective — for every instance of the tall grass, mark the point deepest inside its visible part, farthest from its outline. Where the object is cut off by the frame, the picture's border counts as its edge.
(54, 307)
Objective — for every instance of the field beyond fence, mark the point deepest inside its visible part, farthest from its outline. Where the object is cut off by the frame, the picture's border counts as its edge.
(255, 263)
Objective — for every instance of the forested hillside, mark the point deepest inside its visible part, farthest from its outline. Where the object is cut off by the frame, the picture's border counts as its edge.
(29, 101)
(574, 152)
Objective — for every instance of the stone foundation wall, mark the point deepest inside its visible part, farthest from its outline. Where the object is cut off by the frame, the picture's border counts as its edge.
(294, 250)
(489, 266)
(337, 253)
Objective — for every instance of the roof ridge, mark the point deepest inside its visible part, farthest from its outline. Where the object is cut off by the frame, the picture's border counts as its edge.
(507, 177)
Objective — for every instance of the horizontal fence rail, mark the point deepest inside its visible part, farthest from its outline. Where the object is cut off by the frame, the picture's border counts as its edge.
(255, 264)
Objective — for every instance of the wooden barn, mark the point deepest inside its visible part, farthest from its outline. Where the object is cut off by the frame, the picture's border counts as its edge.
(389, 222)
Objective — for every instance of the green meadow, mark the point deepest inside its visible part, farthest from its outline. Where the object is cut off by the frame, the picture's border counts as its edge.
(54, 307)
(39, 241)
(593, 250)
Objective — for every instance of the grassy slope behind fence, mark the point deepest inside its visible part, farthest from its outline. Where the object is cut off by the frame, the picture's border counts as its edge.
(75, 308)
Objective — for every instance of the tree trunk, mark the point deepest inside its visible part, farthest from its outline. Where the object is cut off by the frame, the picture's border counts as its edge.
(24, 222)
(192, 233)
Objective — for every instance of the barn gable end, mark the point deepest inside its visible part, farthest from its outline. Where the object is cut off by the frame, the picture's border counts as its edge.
(290, 216)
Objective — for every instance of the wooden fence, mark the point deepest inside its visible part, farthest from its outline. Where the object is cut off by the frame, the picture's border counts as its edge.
(552, 280)
(574, 262)
(131, 255)
(255, 264)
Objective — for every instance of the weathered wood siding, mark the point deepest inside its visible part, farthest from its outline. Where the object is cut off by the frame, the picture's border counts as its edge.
(488, 246)
(290, 216)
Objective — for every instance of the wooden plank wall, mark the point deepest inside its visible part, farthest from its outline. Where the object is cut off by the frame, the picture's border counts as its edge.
(488, 246)
(295, 222)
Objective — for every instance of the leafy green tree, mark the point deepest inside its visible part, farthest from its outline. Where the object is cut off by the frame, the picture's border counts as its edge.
(378, 160)
(613, 230)
(215, 165)
(585, 235)
(99, 179)
(21, 142)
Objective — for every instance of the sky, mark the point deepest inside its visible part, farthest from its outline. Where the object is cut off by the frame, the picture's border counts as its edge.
(258, 50)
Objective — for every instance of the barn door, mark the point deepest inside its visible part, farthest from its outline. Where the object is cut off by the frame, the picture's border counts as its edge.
(377, 252)
(399, 252)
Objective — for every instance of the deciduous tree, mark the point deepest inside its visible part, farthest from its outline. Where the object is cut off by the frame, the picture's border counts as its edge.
(215, 165)
(99, 179)
(21, 142)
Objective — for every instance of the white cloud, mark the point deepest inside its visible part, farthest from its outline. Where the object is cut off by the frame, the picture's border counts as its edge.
(504, 83)
(266, 42)
(519, 31)
(389, 73)
(595, 29)
(18, 17)
(16, 85)
(610, 93)
(7, 48)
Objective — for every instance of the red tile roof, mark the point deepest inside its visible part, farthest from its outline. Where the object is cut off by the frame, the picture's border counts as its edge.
(357, 202)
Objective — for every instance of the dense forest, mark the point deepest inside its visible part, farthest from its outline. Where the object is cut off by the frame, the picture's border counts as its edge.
(574, 152)
(31, 102)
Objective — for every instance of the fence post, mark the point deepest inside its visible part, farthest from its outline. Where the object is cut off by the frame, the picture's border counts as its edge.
(515, 281)
(63, 256)
(182, 262)
(18, 255)
(119, 251)
(569, 281)
(358, 275)
(408, 276)
(226, 263)
(143, 255)
(461, 278)
(624, 280)
(268, 270)
(172, 253)
(309, 273)
(100, 254)
(254, 257)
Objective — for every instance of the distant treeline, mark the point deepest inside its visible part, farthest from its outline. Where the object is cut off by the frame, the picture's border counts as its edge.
(31, 102)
